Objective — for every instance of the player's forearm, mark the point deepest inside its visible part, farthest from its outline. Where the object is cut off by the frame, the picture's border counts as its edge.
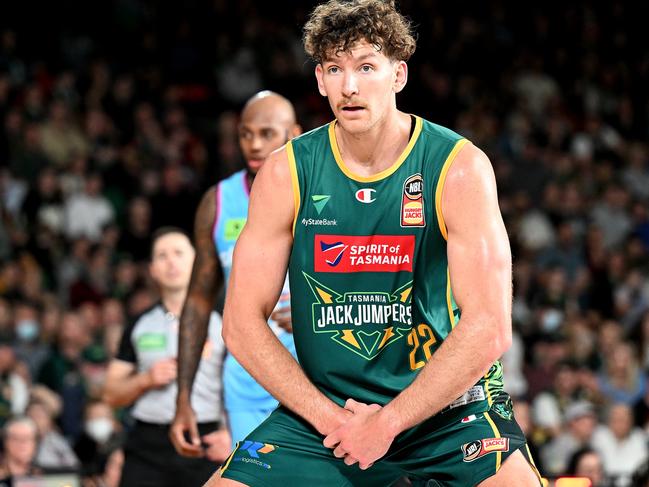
(124, 392)
(194, 322)
(259, 351)
(465, 356)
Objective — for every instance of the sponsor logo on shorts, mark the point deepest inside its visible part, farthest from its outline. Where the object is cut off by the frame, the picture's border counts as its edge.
(363, 253)
(412, 202)
(480, 448)
(366, 195)
(252, 452)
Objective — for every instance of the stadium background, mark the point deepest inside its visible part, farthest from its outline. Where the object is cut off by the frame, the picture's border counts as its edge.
(115, 116)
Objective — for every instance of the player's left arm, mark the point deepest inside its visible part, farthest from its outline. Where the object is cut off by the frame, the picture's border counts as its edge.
(480, 267)
(479, 260)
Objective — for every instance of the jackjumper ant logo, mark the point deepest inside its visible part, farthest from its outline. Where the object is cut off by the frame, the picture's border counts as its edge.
(365, 323)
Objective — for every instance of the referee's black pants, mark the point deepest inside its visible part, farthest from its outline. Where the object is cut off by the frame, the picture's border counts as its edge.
(150, 459)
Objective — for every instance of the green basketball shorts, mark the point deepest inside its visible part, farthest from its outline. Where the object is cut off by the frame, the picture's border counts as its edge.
(458, 448)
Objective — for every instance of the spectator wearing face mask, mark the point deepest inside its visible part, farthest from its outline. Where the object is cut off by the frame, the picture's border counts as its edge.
(100, 436)
(28, 345)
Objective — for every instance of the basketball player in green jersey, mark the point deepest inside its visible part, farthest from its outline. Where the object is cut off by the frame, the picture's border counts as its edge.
(400, 274)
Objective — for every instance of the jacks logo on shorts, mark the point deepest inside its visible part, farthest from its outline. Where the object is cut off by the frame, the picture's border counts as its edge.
(412, 202)
(363, 253)
(480, 448)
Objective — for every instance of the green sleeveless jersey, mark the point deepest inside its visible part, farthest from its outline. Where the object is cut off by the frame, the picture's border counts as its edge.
(370, 290)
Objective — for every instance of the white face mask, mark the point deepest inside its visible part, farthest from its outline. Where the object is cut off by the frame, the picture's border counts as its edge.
(99, 429)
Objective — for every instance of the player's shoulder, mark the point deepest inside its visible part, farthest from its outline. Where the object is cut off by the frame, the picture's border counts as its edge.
(433, 132)
(312, 138)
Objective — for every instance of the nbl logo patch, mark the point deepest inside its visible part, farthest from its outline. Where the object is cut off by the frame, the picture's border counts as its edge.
(412, 202)
(480, 448)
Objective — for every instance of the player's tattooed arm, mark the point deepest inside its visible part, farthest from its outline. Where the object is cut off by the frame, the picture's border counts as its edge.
(206, 279)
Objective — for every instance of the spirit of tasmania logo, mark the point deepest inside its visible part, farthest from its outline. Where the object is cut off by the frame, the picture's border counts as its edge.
(363, 322)
(363, 253)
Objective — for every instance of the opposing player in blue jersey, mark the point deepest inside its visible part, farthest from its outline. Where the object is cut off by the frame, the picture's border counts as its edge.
(267, 123)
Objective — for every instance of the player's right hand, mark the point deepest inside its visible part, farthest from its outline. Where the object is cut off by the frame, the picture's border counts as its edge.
(162, 372)
(184, 431)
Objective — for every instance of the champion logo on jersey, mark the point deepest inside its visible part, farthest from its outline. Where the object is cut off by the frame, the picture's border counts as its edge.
(366, 195)
(333, 252)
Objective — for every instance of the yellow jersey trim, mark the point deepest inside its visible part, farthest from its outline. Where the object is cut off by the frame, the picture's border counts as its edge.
(386, 172)
(496, 435)
(295, 182)
(533, 464)
(440, 185)
(227, 462)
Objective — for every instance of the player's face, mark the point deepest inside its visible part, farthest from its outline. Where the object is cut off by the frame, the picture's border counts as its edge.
(171, 262)
(260, 136)
(361, 85)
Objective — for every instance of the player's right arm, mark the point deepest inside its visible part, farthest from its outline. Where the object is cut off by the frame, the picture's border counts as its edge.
(207, 277)
(259, 268)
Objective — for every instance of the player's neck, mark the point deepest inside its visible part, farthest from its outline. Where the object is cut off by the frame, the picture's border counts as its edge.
(173, 300)
(377, 149)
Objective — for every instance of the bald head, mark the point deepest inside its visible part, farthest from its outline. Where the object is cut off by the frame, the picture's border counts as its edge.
(270, 106)
(267, 123)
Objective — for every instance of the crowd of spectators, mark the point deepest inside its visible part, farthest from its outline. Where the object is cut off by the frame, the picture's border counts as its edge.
(112, 127)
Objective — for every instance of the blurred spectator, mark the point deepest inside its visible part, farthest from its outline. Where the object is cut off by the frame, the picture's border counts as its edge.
(588, 463)
(61, 139)
(14, 393)
(88, 212)
(20, 441)
(611, 216)
(580, 422)
(54, 452)
(136, 237)
(28, 346)
(622, 446)
(61, 372)
(549, 407)
(621, 379)
(101, 435)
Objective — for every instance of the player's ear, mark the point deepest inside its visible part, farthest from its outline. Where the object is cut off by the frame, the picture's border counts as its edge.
(318, 76)
(400, 75)
(296, 130)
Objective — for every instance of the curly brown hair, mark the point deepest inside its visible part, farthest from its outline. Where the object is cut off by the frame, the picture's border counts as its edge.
(335, 26)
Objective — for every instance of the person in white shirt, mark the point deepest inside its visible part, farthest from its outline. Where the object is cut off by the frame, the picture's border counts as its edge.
(622, 446)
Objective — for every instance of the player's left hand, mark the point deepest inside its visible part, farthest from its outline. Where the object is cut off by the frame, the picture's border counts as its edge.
(217, 445)
(363, 438)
